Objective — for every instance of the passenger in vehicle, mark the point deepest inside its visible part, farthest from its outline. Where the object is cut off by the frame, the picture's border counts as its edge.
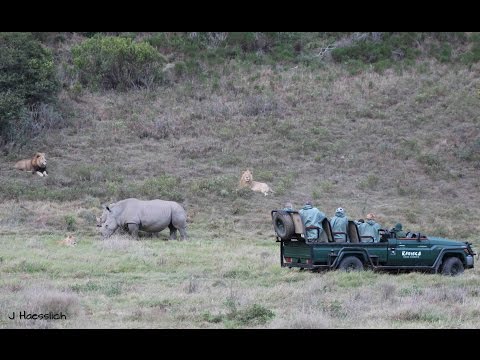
(369, 228)
(339, 223)
(288, 207)
(398, 230)
(311, 216)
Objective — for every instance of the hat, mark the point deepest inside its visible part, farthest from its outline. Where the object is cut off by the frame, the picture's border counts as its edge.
(370, 216)
(340, 210)
(398, 227)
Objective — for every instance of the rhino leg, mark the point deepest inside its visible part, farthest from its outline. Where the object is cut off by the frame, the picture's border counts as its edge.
(183, 233)
(133, 230)
(173, 232)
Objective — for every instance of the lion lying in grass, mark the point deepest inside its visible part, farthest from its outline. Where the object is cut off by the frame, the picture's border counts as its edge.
(247, 181)
(70, 240)
(37, 164)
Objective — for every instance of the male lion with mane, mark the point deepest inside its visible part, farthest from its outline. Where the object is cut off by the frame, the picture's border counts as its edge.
(247, 181)
(37, 164)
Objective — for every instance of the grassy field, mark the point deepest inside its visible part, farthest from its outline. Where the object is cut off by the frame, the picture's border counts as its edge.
(402, 143)
(210, 282)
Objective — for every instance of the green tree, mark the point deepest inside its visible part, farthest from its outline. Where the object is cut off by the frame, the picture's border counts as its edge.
(27, 78)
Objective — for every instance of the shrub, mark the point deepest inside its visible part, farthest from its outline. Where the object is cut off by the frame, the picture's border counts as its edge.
(431, 163)
(71, 222)
(109, 62)
(254, 314)
(27, 79)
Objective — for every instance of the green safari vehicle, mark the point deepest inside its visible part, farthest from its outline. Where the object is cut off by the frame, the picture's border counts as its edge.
(354, 252)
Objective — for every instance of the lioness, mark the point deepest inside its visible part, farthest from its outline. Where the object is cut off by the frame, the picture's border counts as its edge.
(68, 241)
(37, 164)
(247, 181)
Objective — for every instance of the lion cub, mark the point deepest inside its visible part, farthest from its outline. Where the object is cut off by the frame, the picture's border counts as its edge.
(70, 240)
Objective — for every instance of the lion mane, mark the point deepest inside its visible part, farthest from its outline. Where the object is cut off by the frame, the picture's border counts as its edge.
(37, 164)
(246, 180)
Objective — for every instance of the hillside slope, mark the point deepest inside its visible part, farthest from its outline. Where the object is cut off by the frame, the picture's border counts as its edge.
(403, 144)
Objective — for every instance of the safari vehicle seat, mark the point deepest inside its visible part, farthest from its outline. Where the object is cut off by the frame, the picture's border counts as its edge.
(352, 231)
(351, 235)
(354, 235)
(325, 236)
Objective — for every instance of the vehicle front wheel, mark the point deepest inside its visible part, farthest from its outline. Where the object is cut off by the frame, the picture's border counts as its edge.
(351, 263)
(453, 266)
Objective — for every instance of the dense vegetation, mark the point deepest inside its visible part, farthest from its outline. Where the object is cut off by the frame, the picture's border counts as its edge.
(27, 81)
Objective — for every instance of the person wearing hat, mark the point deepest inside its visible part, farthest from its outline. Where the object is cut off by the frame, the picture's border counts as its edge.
(339, 224)
(311, 216)
(369, 228)
(398, 230)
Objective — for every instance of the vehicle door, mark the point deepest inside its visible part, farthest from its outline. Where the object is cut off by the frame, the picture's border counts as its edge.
(411, 251)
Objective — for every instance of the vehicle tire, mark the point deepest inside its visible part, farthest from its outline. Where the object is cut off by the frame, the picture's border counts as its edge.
(452, 266)
(283, 225)
(351, 263)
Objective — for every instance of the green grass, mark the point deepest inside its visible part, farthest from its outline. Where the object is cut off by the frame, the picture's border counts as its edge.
(226, 282)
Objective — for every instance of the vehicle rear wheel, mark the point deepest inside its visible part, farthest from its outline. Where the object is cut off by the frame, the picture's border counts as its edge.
(351, 263)
(452, 266)
(283, 225)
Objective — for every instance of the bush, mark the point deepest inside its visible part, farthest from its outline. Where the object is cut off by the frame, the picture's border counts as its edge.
(254, 314)
(71, 222)
(109, 62)
(431, 163)
(251, 316)
(27, 79)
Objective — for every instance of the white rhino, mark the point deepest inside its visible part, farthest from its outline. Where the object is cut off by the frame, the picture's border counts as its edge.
(147, 215)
